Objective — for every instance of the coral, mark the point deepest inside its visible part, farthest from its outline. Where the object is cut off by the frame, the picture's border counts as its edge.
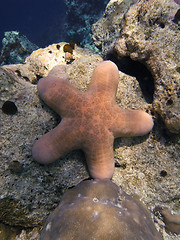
(16, 48)
(98, 209)
(40, 62)
(67, 48)
(68, 57)
(90, 121)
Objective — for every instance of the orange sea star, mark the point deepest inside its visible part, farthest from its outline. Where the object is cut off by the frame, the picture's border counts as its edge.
(90, 120)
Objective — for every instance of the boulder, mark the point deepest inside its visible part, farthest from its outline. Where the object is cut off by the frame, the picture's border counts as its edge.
(108, 28)
(148, 34)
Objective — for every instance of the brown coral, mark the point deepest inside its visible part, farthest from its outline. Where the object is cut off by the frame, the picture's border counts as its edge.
(98, 209)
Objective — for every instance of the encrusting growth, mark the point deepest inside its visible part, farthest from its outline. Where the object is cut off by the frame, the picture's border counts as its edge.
(91, 120)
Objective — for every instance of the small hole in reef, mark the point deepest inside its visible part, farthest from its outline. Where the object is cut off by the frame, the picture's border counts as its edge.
(50, 51)
(26, 79)
(15, 166)
(163, 173)
(71, 187)
(38, 77)
(169, 102)
(162, 25)
(9, 108)
(18, 73)
(138, 70)
(177, 17)
(118, 165)
(58, 46)
(178, 69)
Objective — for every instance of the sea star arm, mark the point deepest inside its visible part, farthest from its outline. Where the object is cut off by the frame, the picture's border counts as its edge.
(100, 157)
(104, 81)
(56, 143)
(129, 123)
(56, 91)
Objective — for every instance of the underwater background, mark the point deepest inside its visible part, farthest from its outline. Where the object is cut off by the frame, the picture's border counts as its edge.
(46, 22)
(32, 18)
(142, 38)
(25, 27)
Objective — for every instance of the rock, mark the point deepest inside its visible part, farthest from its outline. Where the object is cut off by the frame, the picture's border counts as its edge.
(150, 34)
(17, 233)
(107, 29)
(171, 221)
(29, 235)
(147, 166)
(40, 62)
(16, 48)
(98, 209)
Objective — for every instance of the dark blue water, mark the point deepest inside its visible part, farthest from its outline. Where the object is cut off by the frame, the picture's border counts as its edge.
(33, 18)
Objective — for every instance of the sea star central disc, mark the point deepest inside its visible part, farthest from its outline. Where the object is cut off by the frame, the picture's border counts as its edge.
(90, 120)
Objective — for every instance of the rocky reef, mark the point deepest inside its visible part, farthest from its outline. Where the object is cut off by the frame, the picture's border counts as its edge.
(147, 166)
(98, 209)
(23, 190)
(15, 48)
(147, 52)
(149, 34)
(108, 28)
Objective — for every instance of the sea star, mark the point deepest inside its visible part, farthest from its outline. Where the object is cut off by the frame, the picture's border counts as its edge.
(90, 120)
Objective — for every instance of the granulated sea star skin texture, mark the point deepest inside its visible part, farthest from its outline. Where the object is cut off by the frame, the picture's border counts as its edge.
(98, 209)
(90, 120)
